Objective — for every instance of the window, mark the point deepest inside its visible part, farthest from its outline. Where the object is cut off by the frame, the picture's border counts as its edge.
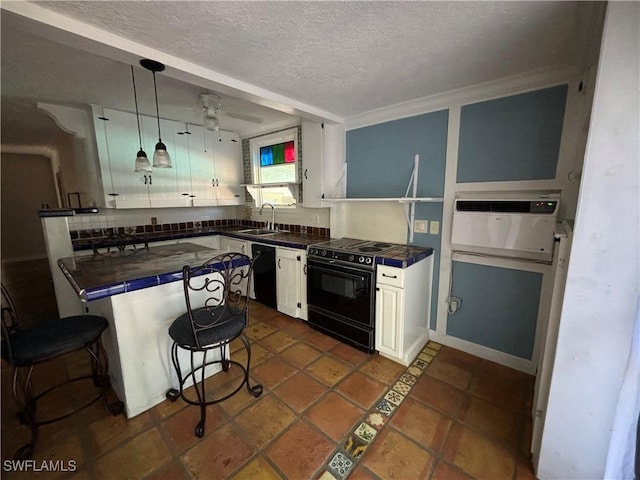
(275, 160)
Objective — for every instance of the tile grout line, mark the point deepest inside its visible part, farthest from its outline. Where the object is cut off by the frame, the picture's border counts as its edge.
(346, 457)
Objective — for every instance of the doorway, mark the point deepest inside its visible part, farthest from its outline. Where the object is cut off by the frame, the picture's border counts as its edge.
(27, 184)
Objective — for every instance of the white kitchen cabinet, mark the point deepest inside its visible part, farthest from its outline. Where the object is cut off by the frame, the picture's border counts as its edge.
(206, 166)
(322, 162)
(211, 241)
(302, 308)
(290, 281)
(403, 306)
(228, 244)
(228, 172)
(117, 143)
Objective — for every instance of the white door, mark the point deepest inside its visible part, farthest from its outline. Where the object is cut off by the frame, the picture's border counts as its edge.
(202, 170)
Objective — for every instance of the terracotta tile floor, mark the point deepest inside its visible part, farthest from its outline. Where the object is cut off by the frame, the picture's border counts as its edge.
(463, 418)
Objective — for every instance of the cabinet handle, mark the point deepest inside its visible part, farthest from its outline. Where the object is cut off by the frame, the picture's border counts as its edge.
(305, 174)
(217, 182)
(305, 269)
(145, 179)
(243, 249)
(279, 262)
(213, 182)
(389, 276)
(150, 182)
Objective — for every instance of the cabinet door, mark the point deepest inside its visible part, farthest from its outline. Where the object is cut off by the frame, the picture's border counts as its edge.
(311, 161)
(389, 314)
(228, 168)
(287, 280)
(163, 189)
(121, 137)
(302, 264)
(201, 150)
(234, 245)
(180, 158)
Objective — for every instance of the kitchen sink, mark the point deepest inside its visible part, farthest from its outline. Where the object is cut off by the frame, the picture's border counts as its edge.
(262, 231)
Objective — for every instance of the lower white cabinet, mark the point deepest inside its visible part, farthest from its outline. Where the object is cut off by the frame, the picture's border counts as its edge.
(228, 244)
(291, 281)
(403, 307)
(211, 241)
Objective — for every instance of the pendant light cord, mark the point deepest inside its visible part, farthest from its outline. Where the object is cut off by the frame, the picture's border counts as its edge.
(155, 89)
(135, 98)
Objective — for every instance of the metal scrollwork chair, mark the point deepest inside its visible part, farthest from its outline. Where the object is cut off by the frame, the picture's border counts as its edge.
(26, 347)
(217, 301)
(120, 242)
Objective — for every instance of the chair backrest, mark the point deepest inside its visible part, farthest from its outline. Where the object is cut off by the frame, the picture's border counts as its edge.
(221, 286)
(9, 323)
(120, 242)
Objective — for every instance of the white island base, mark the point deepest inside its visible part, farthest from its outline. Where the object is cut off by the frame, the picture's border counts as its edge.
(138, 345)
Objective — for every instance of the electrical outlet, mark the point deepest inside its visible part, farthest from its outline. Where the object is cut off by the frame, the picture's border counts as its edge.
(316, 219)
(434, 227)
(420, 226)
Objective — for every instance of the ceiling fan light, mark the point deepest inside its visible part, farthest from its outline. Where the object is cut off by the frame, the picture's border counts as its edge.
(161, 158)
(142, 162)
(211, 123)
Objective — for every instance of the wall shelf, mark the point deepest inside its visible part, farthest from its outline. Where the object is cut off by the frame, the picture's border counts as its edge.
(254, 188)
(389, 199)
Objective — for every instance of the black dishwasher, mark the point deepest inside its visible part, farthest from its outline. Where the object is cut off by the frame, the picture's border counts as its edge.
(264, 274)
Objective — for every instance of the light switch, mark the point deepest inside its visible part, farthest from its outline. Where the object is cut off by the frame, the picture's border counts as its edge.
(420, 226)
(434, 227)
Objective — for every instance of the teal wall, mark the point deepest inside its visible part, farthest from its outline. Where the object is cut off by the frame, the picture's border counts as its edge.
(507, 139)
(512, 138)
(380, 158)
(499, 307)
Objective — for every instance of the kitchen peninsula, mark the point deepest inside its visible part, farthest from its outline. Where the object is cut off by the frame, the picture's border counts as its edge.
(140, 293)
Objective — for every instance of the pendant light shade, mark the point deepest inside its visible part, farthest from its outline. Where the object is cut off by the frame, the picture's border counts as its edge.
(161, 158)
(142, 162)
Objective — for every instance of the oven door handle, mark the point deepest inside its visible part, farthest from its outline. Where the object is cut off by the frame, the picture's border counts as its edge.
(342, 271)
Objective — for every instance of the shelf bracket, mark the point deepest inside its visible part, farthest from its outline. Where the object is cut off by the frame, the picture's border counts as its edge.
(410, 207)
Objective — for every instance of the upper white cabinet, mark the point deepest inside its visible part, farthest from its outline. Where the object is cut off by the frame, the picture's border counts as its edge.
(207, 166)
(322, 162)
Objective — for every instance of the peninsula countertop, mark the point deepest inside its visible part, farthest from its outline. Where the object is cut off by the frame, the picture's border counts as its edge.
(99, 276)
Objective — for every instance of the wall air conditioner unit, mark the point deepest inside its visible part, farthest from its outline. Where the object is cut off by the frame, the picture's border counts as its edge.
(506, 225)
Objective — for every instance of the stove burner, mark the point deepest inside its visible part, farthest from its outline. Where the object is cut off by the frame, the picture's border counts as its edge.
(382, 245)
(369, 249)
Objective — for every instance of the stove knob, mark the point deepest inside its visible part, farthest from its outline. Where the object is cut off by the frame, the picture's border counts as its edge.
(311, 250)
(361, 260)
(368, 260)
(351, 258)
(324, 253)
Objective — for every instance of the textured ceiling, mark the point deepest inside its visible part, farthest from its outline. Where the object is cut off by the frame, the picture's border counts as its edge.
(344, 58)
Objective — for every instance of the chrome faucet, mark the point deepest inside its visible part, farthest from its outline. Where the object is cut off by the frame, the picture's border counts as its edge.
(273, 216)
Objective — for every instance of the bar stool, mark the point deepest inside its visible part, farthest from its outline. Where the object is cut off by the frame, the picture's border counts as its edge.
(217, 301)
(26, 347)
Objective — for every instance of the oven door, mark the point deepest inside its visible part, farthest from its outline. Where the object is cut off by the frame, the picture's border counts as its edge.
(340, 291)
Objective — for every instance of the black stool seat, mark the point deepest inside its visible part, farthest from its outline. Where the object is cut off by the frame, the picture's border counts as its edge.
(227, 322)
(25, 347)
(54, 338)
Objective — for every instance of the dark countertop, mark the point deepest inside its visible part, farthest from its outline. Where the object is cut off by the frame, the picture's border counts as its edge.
(403, 256)
(99, 276)
(284, 239)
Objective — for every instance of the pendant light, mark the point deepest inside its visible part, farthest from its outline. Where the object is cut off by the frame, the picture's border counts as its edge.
(142, 161)
(161, 158)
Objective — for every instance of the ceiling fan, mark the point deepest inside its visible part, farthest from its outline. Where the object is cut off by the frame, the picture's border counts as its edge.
(212, 107)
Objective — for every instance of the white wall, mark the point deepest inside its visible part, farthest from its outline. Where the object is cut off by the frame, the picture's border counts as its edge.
(603, 275)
